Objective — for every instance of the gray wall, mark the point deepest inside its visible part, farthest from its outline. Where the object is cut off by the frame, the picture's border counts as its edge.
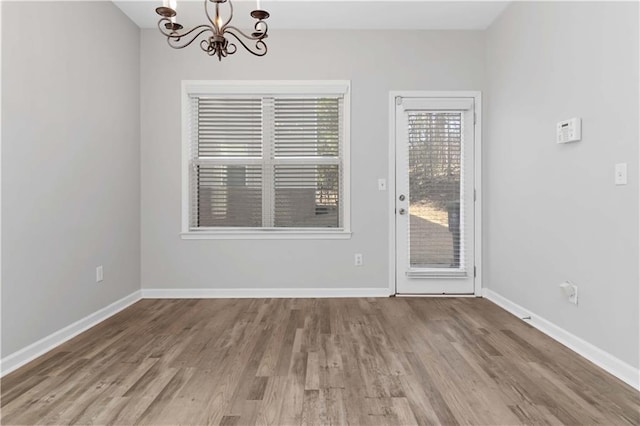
(70, 164)
(375, 62)
(552, 211)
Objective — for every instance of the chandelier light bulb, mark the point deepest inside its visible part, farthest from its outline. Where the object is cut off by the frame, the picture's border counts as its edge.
(172, 4)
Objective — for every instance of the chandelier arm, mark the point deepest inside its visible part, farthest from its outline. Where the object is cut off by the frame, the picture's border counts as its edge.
(224, 26)
(162, 30)
(173, 40)
(230, 29)
(260, 45)
(261, 26)
(214, 51)
(176, 34)
(206, 46)
(206, 11)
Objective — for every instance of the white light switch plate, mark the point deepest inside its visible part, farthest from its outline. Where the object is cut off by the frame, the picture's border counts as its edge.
(382, 184)
(621, 174)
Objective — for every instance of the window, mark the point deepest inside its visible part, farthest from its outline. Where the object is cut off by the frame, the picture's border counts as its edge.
(265, 159)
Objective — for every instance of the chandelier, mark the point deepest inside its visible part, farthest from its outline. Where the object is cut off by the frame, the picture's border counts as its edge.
(216, 33)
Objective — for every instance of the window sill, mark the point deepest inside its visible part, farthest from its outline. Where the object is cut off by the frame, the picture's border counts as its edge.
(266, 235)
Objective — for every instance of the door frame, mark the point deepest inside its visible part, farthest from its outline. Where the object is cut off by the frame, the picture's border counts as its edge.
(477, 210)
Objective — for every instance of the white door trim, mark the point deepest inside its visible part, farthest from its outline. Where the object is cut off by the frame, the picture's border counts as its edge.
(477, 96)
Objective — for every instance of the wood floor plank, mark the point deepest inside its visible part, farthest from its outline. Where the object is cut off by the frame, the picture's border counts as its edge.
(386, 361)
(312, 375)
(161, 408)
(311, 408)
(292, 401)
(419, 402)
(271, 405)
(402, 409)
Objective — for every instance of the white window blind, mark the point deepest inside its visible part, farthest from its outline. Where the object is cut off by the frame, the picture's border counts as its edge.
(266, 161)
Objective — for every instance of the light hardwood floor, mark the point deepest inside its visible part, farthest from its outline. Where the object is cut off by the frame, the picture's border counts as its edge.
(387, 361)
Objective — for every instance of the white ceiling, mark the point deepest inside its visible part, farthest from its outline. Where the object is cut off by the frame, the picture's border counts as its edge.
(334, 14)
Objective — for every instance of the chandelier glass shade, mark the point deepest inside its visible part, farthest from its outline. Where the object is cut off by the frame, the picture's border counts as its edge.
(217, 37)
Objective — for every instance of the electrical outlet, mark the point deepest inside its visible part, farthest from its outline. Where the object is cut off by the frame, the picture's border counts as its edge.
(358, 259)
(99, 274)
(573, 297)
(571, 291)
(621, 174)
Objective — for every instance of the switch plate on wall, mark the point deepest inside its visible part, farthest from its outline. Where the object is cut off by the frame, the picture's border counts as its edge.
(99, 274)
(382, 184)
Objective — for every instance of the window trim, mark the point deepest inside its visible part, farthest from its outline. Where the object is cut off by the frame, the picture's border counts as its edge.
(276, 88)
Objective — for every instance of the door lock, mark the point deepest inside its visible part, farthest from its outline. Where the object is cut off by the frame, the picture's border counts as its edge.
(401, 197)
(402, 211)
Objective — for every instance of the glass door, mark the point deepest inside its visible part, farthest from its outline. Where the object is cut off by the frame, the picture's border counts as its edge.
(435, 195)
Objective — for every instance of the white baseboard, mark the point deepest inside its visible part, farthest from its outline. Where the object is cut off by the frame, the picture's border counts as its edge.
(23, 356)
(601, 358)
(222, 293)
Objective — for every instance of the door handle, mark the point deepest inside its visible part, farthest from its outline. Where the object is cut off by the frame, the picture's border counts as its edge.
(402, 211)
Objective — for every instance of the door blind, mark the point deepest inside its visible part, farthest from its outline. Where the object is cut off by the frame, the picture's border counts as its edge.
(436, 206)
(266, 162)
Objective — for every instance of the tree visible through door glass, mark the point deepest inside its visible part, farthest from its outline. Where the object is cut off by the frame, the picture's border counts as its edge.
(435, 165)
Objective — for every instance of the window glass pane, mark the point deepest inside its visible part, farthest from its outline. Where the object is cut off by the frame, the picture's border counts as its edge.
(435, 142)
(229, 196)
(307, 127)
(307, 196)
